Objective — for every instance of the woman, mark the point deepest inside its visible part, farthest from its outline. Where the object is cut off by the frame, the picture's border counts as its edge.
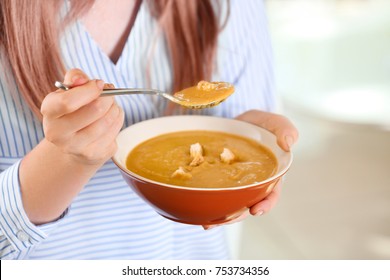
(62, 197)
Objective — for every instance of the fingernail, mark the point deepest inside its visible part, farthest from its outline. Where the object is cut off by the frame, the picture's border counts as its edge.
(78, 79)
(289, 140)
(209, 227)
(75, 77)
(259, 213)
(100, 84)
(109, 86)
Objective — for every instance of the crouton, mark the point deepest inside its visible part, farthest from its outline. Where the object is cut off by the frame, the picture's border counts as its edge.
(181, 173)
(206, 86)
(196, 153)
(227, 156)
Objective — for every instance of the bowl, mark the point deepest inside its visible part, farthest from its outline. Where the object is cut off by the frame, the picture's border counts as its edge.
(198, 206)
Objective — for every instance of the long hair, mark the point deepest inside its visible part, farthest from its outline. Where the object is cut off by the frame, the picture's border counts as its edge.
(30, 32)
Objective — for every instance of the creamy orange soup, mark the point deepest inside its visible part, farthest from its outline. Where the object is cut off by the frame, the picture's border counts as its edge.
(202, 159)
(205, 93)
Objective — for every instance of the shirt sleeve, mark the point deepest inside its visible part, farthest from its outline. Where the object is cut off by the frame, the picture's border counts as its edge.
(18, 235)
(245, 59)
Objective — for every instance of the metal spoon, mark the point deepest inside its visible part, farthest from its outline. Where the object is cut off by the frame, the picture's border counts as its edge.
(187, 102)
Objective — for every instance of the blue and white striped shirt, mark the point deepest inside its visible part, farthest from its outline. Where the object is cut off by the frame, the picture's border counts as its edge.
(107, 220)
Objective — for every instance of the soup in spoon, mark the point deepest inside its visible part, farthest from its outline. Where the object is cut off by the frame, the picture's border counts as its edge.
(210, 93)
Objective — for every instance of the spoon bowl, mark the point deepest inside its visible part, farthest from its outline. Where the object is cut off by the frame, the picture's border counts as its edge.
(204, 95)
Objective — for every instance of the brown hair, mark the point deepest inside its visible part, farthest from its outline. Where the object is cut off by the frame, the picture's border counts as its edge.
(29, 36)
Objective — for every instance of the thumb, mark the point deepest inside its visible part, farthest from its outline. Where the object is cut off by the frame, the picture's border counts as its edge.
(75, 77)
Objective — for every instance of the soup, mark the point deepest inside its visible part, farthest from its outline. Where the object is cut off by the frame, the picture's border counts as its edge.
(202, 159)
(211, 93)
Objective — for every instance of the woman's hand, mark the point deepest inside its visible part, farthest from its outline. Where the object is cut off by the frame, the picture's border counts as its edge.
(80, 131)
(286, 135)
(78, 122)
(285, 131)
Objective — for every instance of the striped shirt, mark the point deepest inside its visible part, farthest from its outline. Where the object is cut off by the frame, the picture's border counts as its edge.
(107, 220)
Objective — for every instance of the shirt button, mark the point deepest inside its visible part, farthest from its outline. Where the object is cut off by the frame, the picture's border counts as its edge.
(22, 236)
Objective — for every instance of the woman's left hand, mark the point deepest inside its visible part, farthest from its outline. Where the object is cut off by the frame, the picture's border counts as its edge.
(286, 135)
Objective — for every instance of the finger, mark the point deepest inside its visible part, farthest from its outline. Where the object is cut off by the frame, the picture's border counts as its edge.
(282, 127)
(75, 77)
(240, 218)
(60, 103)
(84, 116)
(98, 129)
(106, 142)
(267, 203)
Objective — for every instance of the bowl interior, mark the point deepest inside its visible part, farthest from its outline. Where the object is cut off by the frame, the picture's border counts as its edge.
(133, 135)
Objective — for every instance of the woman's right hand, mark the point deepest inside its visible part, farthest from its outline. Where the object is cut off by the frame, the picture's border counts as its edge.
(79, 123)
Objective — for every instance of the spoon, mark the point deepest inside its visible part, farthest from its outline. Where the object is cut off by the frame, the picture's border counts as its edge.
(203, 95)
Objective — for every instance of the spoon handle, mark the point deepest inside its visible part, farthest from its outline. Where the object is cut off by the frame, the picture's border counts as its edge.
(117, 91)
(120, 91)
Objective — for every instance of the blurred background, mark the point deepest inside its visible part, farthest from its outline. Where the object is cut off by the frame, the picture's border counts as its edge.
(332, 62)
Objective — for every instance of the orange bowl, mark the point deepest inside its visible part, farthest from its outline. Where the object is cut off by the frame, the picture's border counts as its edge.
(198, 206)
